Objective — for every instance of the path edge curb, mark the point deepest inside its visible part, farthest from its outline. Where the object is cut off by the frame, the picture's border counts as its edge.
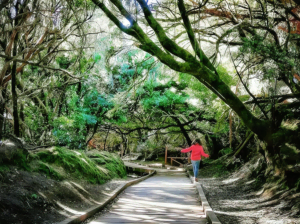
(210, 215)
(93, 210)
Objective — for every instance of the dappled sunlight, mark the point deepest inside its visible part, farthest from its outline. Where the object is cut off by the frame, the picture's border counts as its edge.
(228, 181)
(84, 160)
(68, 209)
(250, 181)
(163, 204)
(163, 193)
(63, 213)
(76, 192)
(80, 187)
(102, 169)
(77, 153)
(159, 199)
(255, 214)
(44, 196)
(165, 183)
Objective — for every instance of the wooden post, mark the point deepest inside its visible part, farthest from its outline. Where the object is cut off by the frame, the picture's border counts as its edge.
(189, 159)
(171, 161)
(166, 155)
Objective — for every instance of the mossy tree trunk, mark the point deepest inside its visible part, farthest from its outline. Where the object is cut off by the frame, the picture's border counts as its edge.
(182, 129)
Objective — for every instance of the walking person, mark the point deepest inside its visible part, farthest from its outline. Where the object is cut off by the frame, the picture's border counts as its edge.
(197, 152)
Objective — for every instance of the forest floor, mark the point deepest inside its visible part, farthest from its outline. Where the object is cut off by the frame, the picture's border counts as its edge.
(240, 198)
(34, 198)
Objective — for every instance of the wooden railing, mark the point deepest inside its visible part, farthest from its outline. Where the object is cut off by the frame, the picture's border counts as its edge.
(173, 159)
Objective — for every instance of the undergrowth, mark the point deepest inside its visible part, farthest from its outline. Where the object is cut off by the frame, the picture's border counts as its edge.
(4, 169)
(112, 162)
(213, 168)
(49, 171)
(80, 166)
(19, 158)
(61, 163)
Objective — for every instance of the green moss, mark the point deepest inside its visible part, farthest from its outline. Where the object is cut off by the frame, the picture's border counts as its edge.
(213, 168)
(219, 170)
(111, 162)
(61, 163)
(49, 171)
(80, 166)
(4, 169)
(20, 159)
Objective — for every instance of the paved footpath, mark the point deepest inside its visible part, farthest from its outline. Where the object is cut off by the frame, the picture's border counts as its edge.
(167, 197)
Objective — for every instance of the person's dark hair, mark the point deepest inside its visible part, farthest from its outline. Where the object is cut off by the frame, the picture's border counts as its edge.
(197, 141)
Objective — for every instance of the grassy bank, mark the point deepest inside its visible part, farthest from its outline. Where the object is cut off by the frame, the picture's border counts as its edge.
(60, 163)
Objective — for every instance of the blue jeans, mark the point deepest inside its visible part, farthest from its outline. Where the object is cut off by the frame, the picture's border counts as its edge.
(195, 164)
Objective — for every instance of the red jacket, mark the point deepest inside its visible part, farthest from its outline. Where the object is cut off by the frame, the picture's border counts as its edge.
(197, 152)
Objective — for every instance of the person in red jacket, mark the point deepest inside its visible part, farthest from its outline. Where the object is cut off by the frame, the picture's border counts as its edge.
(197, 152)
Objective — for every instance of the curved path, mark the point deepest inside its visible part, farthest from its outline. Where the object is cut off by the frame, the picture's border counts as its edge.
(167, 197)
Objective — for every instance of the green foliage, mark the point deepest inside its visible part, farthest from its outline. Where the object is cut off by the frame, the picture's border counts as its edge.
(199, 91)
(298, 185)
(221, 115)
(80, 166)
(4, 168)
(220, 170)
(21, 161)
(244, 97)
(97, 57)
(224, 75)
(259, 46)
(213, 168)
(60, 163)
(111, 162)
(34, 196)
(156, 95)
(225, 151)
(119, 116)
(17, 159)
(71, 129)
(64, 62)
(130, 67)
(48, 170)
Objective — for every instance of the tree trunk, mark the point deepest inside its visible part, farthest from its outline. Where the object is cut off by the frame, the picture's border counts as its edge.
(2, 107)
(184, 132)
(13, 90)
(22, 117)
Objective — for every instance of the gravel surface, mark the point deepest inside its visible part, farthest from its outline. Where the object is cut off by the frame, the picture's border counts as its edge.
(238, 199)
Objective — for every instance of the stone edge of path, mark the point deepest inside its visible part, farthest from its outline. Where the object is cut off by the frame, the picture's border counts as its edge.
(210, 215)
(93, 210)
